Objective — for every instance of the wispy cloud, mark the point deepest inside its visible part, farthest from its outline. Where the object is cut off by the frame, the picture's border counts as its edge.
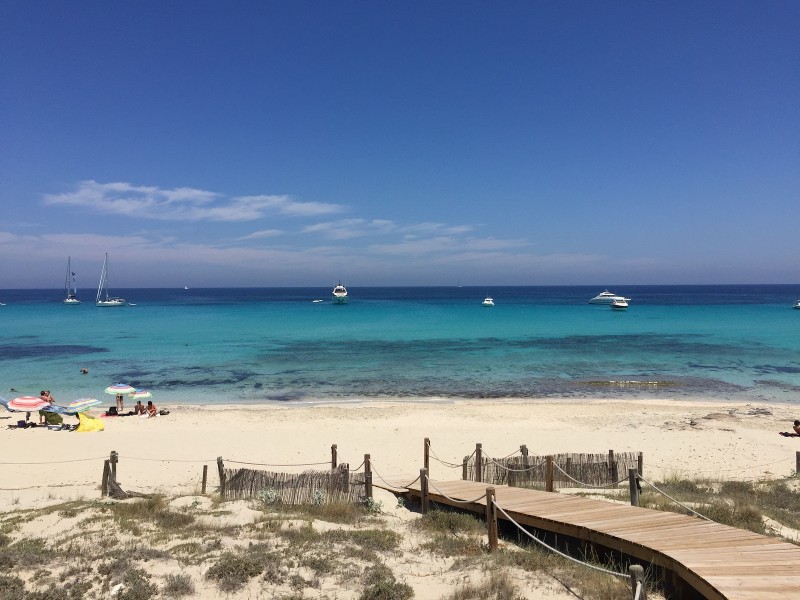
(186, 204)
(260, 235)
(345, 229)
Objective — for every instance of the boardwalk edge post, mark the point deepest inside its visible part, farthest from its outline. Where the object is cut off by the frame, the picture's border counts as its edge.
(423, 491)
(205, 480)
(479, 463)
(549, 474)
(637, 577)
(633, 485)
(491, 519)
(426, 457)
(368, 476)
(334, 457)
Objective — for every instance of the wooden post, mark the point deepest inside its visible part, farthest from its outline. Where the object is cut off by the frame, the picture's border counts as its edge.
(334, 457)
(464, 468)
(423, 490)
(478, 462)
(114, 459)
(345, 469)
(568, 465)
(640, 464)
(633, 486)
(549, 475)
(106, 474)
(524, 451)
(612, 466)
(205, 479)
(367, 476)
(637, 578)
(491, 518)
(221, 469)
(426, 458)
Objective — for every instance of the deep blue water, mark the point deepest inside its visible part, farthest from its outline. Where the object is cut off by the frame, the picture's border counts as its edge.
(274, 344)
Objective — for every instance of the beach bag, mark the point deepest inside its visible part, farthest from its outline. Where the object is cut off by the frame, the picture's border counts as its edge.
(163, 411)
(89, 423)
(53, 418)
(112, 411)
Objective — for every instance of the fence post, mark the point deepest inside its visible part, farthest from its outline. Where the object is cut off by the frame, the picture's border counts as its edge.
(464, 468)
(524, 451)
(221, 469)
(334, 456)
(491, 519)
(637, 578)
(549, 475)
(612, 466)
(106, 474)
(478, 462)
(114, 459)
(423, 490)
(426, 458)
(205, 479)
(368, 476)
(346, 478)
(640, 464)
(633, 485)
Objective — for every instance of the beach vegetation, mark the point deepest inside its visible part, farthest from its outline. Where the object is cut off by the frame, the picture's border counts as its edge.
(177, 585)
(381, 584)
(498, 586)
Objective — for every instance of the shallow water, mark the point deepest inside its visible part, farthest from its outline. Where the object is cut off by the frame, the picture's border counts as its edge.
(276, 345)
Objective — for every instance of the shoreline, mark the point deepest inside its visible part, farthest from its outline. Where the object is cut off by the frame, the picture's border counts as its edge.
(735, 439)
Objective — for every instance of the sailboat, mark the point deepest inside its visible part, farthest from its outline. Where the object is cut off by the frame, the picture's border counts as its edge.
(70, 289)
(103, 289)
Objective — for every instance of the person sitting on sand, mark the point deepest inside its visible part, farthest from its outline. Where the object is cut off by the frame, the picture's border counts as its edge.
(796, 427)
(152, 411)
(139, 408)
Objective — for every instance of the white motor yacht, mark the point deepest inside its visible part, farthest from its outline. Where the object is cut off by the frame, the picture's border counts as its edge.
(619, 303)
(607, 297)
(797, 304)
(339, 294)
(487, 301)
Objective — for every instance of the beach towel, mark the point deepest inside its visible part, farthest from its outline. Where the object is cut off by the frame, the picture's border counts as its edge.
(88, 423)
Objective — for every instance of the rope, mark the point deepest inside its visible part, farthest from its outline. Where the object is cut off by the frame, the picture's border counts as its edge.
(447, 464)
(441, 493)
(213, 460)
(607, 485)
(54, 462)
(392, 485)
(240, 462)
(567, 556)
(491, 460)
(675, 501)
(506, 456)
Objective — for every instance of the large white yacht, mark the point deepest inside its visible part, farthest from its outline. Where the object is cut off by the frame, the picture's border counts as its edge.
(607, 297)
(339, 294)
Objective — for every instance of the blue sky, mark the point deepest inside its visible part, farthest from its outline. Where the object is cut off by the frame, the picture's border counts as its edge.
(399, 143)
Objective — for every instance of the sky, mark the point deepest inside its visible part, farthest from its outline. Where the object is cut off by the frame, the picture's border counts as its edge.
(265, 143)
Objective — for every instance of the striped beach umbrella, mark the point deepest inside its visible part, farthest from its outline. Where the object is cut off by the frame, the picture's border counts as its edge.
(83, 404)
(120, 388)
(28, 403)
(4, 402)
(139, 394)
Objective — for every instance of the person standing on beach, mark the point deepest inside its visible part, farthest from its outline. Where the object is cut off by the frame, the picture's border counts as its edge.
(120, 404)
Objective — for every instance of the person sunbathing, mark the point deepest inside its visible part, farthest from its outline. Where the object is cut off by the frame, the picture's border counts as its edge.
(796, 427)
(138, 409)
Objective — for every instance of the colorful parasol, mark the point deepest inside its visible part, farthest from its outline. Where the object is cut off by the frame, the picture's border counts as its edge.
(28, 403)
(83, 404)
(120, 388)
(139, 394)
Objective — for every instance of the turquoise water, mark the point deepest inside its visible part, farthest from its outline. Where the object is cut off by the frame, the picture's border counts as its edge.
(275, 345)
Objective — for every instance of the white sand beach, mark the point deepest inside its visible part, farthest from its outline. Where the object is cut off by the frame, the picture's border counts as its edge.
(166, 454)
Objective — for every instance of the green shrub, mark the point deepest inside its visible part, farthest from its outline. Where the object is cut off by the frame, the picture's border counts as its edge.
(178, 585)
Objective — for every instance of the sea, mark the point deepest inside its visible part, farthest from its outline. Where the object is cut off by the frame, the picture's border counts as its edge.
(421, 344)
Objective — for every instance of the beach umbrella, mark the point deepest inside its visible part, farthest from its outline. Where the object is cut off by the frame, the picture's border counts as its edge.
(139, 394)
(4, 402)
(28, 403)
(83, 404)
(120, 388)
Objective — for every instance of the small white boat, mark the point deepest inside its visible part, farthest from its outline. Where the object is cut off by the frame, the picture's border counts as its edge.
(103, 298)
(70, 289)
(339, 294)
(797, 304)
(487, 301)
(619, 303)
(316, 301)
(607, 297)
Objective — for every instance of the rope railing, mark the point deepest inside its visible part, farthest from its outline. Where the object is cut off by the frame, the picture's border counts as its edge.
(691, 510)
(589, 485)
(390, 484)
(449, 464)
(441, 493)
(556, 551)
(55, 462)
(509, 469)
(241, 462)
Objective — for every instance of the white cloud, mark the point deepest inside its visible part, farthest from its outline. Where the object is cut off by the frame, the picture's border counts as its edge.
(265, 233)
(345, 229)
(187, 204)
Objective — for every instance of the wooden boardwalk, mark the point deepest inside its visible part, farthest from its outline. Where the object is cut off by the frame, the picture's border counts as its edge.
(718, 561)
